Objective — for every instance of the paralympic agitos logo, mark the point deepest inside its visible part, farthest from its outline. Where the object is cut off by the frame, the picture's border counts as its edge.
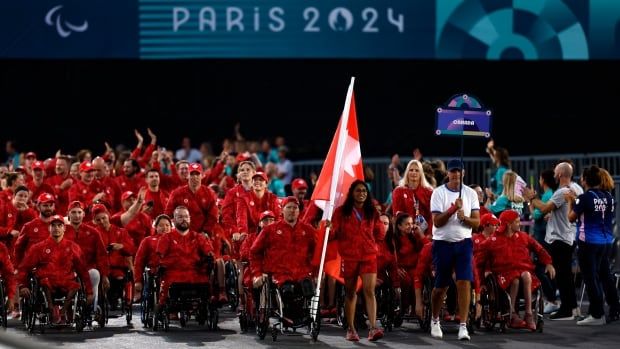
(64, 28)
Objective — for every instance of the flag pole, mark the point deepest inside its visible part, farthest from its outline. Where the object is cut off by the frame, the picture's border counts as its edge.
(329, 207)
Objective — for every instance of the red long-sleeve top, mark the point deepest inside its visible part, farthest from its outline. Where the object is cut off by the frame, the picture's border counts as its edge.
(7, 272)
(284, 251)
(94, 254)
(250, 207)
(146, 257)
(201, 206)
(58, 261)
(500, 253)
(357, 237)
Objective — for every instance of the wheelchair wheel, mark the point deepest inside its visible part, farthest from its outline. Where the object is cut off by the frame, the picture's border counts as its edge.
(243, 322)
(183, 318)
(213, 317)
(231, 280)
(3, 305)
(274, 333)
(427, 290)
(79, 311)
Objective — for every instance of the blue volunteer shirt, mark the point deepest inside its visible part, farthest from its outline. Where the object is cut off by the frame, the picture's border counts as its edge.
(595, 211)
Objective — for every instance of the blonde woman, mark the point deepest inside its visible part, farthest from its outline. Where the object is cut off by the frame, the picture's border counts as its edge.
(413, 195)
(509, 199)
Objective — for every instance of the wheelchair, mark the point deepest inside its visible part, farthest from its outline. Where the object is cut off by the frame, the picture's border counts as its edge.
(122, 289)
(231, 280)
(401, 314)
(37, 309)
(388, 306)
(150, 297)
(449, 306)
(497, 308)
(247, 315)
(3, 304)
(101, 312)
(290, 305)
(188, 299)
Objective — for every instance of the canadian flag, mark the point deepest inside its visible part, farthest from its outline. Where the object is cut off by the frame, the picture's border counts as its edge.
(342, 167)
(343, 164)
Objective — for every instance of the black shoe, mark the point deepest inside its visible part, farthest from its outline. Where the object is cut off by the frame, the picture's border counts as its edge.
(562, 315)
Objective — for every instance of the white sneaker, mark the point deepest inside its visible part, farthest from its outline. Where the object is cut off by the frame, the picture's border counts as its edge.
(551, 307)
(436, 329)
(591, 321)
(463, 333)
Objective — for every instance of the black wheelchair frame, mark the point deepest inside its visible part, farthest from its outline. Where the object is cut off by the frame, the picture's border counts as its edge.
(125, 293)
(150, 297)
(3, 304)
(272, 304)
(497, 308)
(37, 309)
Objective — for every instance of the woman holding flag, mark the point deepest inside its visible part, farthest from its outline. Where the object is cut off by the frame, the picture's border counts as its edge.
(357, 227)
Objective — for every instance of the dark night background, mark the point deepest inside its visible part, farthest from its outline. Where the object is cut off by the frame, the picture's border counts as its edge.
(539, 107)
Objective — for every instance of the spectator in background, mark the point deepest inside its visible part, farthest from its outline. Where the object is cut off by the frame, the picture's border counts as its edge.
(267, 153)
(481, 199)
(591, 210)
(12, 154)
(285, 166)
(547, 185)
(84, 155)
(188, 153)
(560, 237)
(501, 163)
(276, 185)
(509, 199)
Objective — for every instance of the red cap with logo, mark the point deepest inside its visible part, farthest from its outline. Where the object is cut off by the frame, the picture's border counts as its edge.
(57, 218)
(126, 195)
(45, 198)
(76, 204)
(488, 219)
(290, 199)
(38, 165)
(30, 155)
(299, 183)
(261, 175)
(99, 208)
(86, 166)
(266, 214)
(506, 218)
(195, 167)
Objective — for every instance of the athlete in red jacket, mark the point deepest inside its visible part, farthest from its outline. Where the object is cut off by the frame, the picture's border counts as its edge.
(507, 254)
(57, 261)
(183, 254)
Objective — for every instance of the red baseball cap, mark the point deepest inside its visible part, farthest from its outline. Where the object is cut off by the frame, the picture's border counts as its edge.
(488, 218)
(57, 218)
(86, 166)
(242, 157)
(75, 204)
(506, 218)
(99, 208)
(261, 175)
(266, 214)
(290, 199)
(31, 154)
(195, 167)
(299, 183)
(45, 198)
(128, 194)
(37, 165)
